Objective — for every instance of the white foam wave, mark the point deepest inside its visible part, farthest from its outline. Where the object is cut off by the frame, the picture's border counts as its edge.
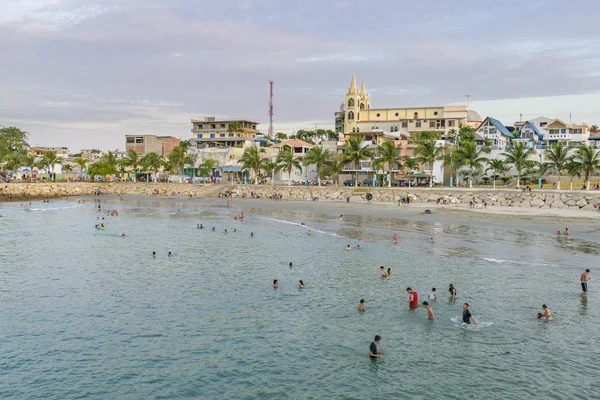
(494, 260)
(282, 221)
(54, 208)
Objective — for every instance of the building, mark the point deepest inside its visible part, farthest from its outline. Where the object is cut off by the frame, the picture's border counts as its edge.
(214, 133)
(340, 118)
(144, 144)
(299, 148)
(532, 134)
(38, 151)
(595, 139)
(495, 131)
(561, 132)
(360, 118)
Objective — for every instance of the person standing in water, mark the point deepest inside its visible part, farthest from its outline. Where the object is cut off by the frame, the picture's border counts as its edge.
(384, 273)
(413, 298)
(341, 218)
(432, 294)
(547, 314)
(153, 254)
(585, 277)
(373, 348)
(389, 271)
(275, 284)
(452, 291)
(300, 285)
(467, 316)
(429, 311)
(348, 248)
(395, 239)
(361, 306)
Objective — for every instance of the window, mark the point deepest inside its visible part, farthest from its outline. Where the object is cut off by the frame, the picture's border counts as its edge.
(239, 135)
(451, 122)
(379, 115)
(130, 140)
(199, 126)
(418, 124)
(221, 135)
(222, 125)
(553, 131)
(404, 124)
(435, 113)
(362, 106)
(432, 124)
(351, 103)
(297, 150)
(563, 130)
(397, 114)
(139, 140)
(199, 136)
(212, 135)
(351, 114)
(213, 126)
(231, 135)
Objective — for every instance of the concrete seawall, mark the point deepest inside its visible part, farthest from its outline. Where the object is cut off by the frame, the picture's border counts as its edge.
(544, 199)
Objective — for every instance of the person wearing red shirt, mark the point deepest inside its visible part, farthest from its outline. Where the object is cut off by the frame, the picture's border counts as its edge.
(413, 298)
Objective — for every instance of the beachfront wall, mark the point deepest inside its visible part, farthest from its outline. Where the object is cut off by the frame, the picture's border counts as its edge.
(544, 199)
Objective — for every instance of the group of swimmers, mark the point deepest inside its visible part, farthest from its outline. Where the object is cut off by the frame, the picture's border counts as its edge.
(276, 283)
(169, 254)
(566, 232)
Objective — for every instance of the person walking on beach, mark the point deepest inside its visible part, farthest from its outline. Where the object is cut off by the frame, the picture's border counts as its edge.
(341, 218)
(547, 314)
(585, 277)
(373, 348)
(429, 311)
(361, 305)
(413, 298)
(452, 291)
(467, 316)
(384, 273)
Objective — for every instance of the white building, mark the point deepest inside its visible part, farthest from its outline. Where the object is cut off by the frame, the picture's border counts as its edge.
(495, 131)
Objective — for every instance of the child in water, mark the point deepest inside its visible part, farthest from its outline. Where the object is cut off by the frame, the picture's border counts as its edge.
(432, 294)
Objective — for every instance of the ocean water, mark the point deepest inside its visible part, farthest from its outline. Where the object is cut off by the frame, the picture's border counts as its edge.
(88, 314)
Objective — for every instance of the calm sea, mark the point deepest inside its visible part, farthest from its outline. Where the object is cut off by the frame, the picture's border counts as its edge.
(88, 314)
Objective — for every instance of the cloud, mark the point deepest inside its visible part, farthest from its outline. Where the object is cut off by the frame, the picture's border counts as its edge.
(83, 71)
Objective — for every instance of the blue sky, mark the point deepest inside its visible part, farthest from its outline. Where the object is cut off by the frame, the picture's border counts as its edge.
(85, 73)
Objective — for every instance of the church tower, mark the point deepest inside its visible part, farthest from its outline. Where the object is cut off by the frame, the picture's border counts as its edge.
(352, 107)
(365, 101)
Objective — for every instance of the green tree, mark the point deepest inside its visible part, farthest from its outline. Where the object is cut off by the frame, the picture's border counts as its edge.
(469, 156)
(320, 158)
(152, 162)
(589, 160)
(211, 164)
(102, 168)
(518, 157)
(179, 157)
(428, 153)
(29, 161)
(252, 159)
(497, 167)
(557, 158)
(12, 141)
(388, 154)
(270, 167)
(287, 162)
(67, 168)
(426, 136)
(594, 128)
(235, 126)
(466, 133)
(51, 159)
(280, 136)
(111, 160)
(573, 169)
(81, 162)
(354, 151)
(132, 160)
(14, 162)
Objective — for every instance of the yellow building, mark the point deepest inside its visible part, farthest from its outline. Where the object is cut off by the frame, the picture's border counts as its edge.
(360, 118)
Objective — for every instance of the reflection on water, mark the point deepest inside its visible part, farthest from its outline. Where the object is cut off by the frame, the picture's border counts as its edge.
(96, 317)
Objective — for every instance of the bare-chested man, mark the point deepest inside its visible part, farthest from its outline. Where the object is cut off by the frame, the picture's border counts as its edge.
(384, 273)
(585, 277)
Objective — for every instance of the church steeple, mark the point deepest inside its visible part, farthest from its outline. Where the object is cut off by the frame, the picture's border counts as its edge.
(363, 90)
(353, 89)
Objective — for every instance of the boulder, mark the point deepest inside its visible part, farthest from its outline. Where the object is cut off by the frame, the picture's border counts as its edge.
(589, 207)
(537, 203)
(558, 204)
(582, 203)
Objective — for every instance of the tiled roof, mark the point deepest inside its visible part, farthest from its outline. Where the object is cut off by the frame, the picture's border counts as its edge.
(293, 143)
(500, 126)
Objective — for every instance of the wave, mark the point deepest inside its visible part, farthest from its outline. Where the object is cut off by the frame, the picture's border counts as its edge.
(283, 221)
(494, 260)
(54, 208)
(457, 321)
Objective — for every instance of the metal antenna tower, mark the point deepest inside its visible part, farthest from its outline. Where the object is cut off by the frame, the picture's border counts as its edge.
(271, 133)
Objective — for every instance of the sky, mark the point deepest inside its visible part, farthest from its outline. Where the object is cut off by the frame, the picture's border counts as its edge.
(85, 73)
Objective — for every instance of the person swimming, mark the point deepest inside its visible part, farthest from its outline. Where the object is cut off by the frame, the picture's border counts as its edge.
(275, 284)
(361, 305)
(169, 254)
(389, 271)
(300, 284)
(213, 229)
(384, 273)
(348, 248)
(547, 314)
(358, 247)
(567, 231)
(153, 254)
(251, 234)
(123, 234)
(452, 291)
(291, 264)
(432, 294)
(309, 233)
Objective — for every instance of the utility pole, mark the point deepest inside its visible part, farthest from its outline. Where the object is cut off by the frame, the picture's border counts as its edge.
(468, 96)
(271, 109)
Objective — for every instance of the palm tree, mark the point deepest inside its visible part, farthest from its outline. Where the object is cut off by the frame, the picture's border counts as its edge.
(269, 167)
(389, 154)
(179, 157)
(410, 164)
(573, 168)
(287, 162)
(354, 151)
(594, 128)
(111, 160)
(589, 160)
(557, 159)
(152, 162)
(67, 168)
(14, 162)
(132, 160)
(518, 156)
(210, 164)
(169, 167)
(319, 157)
(497, 167)
(81, 162)
(280, 136)
(235, 127)
(51, 159)
(427, 152)
(252, 159)
(468, 155)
